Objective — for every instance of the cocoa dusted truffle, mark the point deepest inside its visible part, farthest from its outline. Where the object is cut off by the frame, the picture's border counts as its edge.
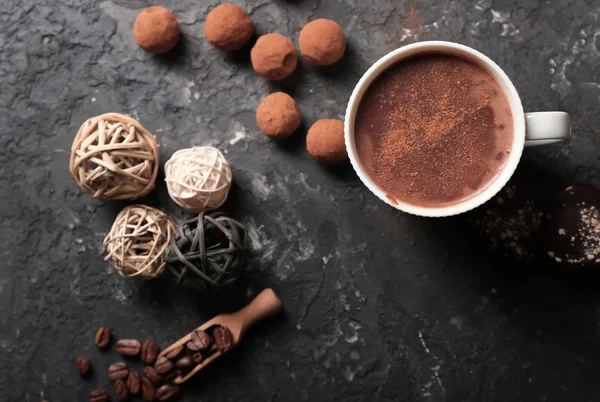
(278, 116)
(274, 56)
(325, 142)
(156, 30)
(572, 232)
(322, 42)
(228, 27)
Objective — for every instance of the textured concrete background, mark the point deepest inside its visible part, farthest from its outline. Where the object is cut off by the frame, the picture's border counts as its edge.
(379, 305)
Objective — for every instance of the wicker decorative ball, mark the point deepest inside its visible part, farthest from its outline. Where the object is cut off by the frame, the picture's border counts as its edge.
(138, 241)
(208, 252)
(198, 179)
(114, 157)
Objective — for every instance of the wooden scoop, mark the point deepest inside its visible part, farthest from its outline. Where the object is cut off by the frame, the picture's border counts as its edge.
(264, 305)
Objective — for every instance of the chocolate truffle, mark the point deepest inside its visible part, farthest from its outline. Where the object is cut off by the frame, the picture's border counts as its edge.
(274, 56)
(322, 42)
(572, 232)
(155, 30)
(228, 27)
(325, 142)
(278, 116)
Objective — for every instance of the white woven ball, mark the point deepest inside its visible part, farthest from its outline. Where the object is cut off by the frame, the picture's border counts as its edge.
(198, 179)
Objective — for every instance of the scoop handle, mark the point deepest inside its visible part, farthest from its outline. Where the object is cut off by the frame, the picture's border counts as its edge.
(264, 305)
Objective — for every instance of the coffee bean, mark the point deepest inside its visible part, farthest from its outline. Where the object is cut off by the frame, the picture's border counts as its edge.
(150, 350)
(163, 365)
(184, 362)
(121, 390)
(167, 392)
(148, 392)
(129, 347)
(118, 371)
(151, 373)
(82, 365)
(99, 395)
(133, 383)
(197, 357)
(174, 353)
(223, 338)
(102, 338)
(200, 341)
(171, 375)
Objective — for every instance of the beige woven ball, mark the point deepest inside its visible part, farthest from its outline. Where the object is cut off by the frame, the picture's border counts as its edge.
(138, 241)
(198, 179)
(114, 157)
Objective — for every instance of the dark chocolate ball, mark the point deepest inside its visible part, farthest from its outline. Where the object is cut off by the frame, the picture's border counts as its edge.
(572, 232)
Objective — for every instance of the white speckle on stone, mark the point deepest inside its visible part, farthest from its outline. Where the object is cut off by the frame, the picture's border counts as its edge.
(306, 250)
(423, 343)
(352, 338)
(186, 95)
(238, 135)
(74, 283)
(435, 369)
(508, 28)
(3, 282)
(344, 302)
(196, 95)
(585, 43)
(360, 296)
(260, 188)
(458, 322)
(120, 295)
(93, 99)
(348, 374)
(259, 240)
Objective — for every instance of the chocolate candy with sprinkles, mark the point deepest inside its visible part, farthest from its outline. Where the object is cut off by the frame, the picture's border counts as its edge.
(572, 231)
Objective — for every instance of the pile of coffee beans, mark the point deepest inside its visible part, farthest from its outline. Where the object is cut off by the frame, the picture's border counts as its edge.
(155, 384)
(180, 360)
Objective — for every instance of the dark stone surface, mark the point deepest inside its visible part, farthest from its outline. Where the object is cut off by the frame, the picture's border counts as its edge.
(379, 305)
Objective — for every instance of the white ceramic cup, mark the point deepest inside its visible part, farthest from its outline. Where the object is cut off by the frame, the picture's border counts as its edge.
(529, 129)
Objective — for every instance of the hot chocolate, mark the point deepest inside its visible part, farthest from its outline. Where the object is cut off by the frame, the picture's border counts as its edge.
(433, 130)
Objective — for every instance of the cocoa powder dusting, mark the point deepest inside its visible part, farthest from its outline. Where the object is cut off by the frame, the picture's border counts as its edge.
(427, 130)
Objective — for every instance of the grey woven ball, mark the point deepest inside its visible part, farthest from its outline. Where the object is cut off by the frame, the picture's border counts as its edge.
(208, 252)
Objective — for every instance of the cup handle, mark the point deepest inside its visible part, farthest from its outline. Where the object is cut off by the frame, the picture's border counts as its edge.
(546, 128)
